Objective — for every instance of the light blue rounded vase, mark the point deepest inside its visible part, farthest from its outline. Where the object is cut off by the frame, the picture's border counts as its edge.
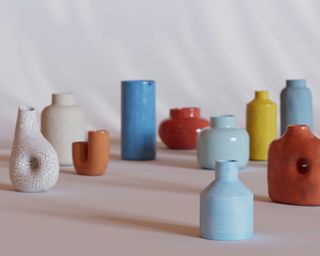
(296, 104)
(226, 206)
(138, 120)
(223, 140)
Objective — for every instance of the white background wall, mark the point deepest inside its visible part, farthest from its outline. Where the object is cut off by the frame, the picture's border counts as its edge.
(206, 53)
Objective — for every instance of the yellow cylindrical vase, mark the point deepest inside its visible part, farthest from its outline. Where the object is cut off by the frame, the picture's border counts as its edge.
(261, 125)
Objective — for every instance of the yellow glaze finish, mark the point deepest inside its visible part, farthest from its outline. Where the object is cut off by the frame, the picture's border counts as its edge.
(261, 124)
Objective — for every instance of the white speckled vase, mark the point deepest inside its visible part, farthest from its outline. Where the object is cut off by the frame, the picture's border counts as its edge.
(34, 164)
(63, 123)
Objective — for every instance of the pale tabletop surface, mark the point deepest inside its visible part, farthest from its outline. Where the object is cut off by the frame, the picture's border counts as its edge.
(143, 208)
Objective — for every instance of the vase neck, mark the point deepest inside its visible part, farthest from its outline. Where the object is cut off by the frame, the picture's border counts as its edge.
(185, 113)
(27, 119)
(226, 170)
(298, 130)
(296, 83)
(63, 99)
(262, 95)
(226, 121)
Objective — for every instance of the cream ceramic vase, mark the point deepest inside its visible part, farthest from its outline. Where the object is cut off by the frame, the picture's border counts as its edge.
(34, 165)
(63, 123)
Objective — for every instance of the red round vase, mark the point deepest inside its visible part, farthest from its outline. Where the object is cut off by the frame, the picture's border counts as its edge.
(181, 129)
(294, 167)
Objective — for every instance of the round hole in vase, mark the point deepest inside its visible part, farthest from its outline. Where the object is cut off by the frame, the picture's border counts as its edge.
(34, 163)
(303, 166)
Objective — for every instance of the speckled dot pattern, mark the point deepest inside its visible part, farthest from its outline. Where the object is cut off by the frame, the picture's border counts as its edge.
(34, 164)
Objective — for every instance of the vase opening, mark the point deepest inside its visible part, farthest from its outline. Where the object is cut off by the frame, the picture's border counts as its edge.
(98, 131)
(94, 133)
(26, 108)
(223, 121)
(295, 127)
(300, 129)
(261, 94)
(63, 99)
(138, 82)
(226, 170)
(296, 83)
(188, 112)
(226, 161)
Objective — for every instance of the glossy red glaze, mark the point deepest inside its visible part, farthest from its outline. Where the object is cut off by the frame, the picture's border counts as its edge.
(294, 167)
(180, 130)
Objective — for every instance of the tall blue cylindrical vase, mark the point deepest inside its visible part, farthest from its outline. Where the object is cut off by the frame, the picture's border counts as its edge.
(138, 120)
(296, 104)
(226, 206)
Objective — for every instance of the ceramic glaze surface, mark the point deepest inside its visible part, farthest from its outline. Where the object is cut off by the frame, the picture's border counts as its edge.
(261, 124)
(34, 165)
(138, 120)
(294, 167)
(63, 123)
(223, 140)
(181, 129)
(91, 158)
(226, 206)
(296, 105)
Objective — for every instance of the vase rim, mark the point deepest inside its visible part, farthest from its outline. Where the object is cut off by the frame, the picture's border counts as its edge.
(227, 169)
(226, 161)
(296, 82)
(142, 81)
(185, 112)
(223, 121)
(262, 94)
(302, 128)
(62, 93)
(222, 116)
(64, 99)
(298, 126)
(98, 131)
(26, 108)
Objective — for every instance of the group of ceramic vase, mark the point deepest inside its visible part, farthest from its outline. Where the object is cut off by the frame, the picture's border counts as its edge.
(226, 205)
(36, 155)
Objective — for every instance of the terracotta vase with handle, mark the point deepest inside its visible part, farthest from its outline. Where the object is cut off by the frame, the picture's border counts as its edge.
(91, 158)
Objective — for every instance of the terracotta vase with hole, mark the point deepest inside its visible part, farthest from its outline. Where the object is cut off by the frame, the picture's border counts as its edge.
(91, 158)
(294, 167)
(181, 129)
(34, 165)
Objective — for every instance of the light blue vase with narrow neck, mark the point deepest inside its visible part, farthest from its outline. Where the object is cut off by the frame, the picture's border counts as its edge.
(296, 104)
(222, 140)
(226, 206)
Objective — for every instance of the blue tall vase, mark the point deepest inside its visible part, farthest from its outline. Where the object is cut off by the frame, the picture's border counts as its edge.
(223, 140)
(226, 206)
(296, 104)
(138, 120)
